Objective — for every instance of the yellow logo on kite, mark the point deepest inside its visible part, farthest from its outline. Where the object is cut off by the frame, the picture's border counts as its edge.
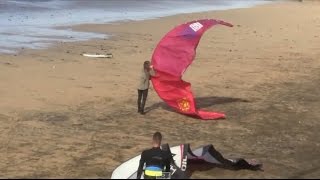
(184, 104)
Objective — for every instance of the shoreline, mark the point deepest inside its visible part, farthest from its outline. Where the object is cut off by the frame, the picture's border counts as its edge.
(75, 35)
(66, 116)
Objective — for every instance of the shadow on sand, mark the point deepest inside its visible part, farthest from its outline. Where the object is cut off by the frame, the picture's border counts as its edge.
(201, 102)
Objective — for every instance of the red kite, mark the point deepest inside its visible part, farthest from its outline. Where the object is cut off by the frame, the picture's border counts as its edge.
(172, 56)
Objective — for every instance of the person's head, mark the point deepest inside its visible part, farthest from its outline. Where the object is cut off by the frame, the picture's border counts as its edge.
(156, 139)
(146, 64)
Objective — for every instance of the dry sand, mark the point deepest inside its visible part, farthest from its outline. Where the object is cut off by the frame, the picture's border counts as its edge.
(66, 116)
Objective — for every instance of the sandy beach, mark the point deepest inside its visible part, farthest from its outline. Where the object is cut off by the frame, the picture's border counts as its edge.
(63, 115)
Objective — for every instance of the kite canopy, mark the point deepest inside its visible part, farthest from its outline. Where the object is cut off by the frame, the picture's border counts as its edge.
(172, 56)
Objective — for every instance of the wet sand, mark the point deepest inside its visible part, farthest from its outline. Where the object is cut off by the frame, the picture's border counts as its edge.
(68, 116)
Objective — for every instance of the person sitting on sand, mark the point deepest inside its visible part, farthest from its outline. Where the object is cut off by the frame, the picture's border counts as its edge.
(157, 161)
(145, 76)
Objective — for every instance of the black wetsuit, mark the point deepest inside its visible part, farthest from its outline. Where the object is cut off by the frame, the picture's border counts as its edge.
(154, 157)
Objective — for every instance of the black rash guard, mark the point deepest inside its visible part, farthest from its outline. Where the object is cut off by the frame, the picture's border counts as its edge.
(154, 157)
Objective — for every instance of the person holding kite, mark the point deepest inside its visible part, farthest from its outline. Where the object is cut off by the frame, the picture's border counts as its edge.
(143, 87)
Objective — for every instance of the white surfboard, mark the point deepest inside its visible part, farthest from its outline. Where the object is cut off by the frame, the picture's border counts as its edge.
(128, 169)
(97, 55)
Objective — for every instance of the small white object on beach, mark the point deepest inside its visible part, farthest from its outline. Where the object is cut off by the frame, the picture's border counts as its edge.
(108, 55)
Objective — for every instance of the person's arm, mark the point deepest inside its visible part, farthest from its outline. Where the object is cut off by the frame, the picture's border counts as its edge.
(141, 164)
(168, 162)
(151, 71)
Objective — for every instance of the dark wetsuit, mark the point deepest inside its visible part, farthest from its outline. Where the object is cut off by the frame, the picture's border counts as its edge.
(156, 161)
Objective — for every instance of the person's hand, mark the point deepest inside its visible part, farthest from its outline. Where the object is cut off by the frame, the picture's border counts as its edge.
(151, 66)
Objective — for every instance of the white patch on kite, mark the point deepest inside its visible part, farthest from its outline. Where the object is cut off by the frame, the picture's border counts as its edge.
(196, 26)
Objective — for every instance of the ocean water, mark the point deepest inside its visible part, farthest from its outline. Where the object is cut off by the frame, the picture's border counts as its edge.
(33, 23)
